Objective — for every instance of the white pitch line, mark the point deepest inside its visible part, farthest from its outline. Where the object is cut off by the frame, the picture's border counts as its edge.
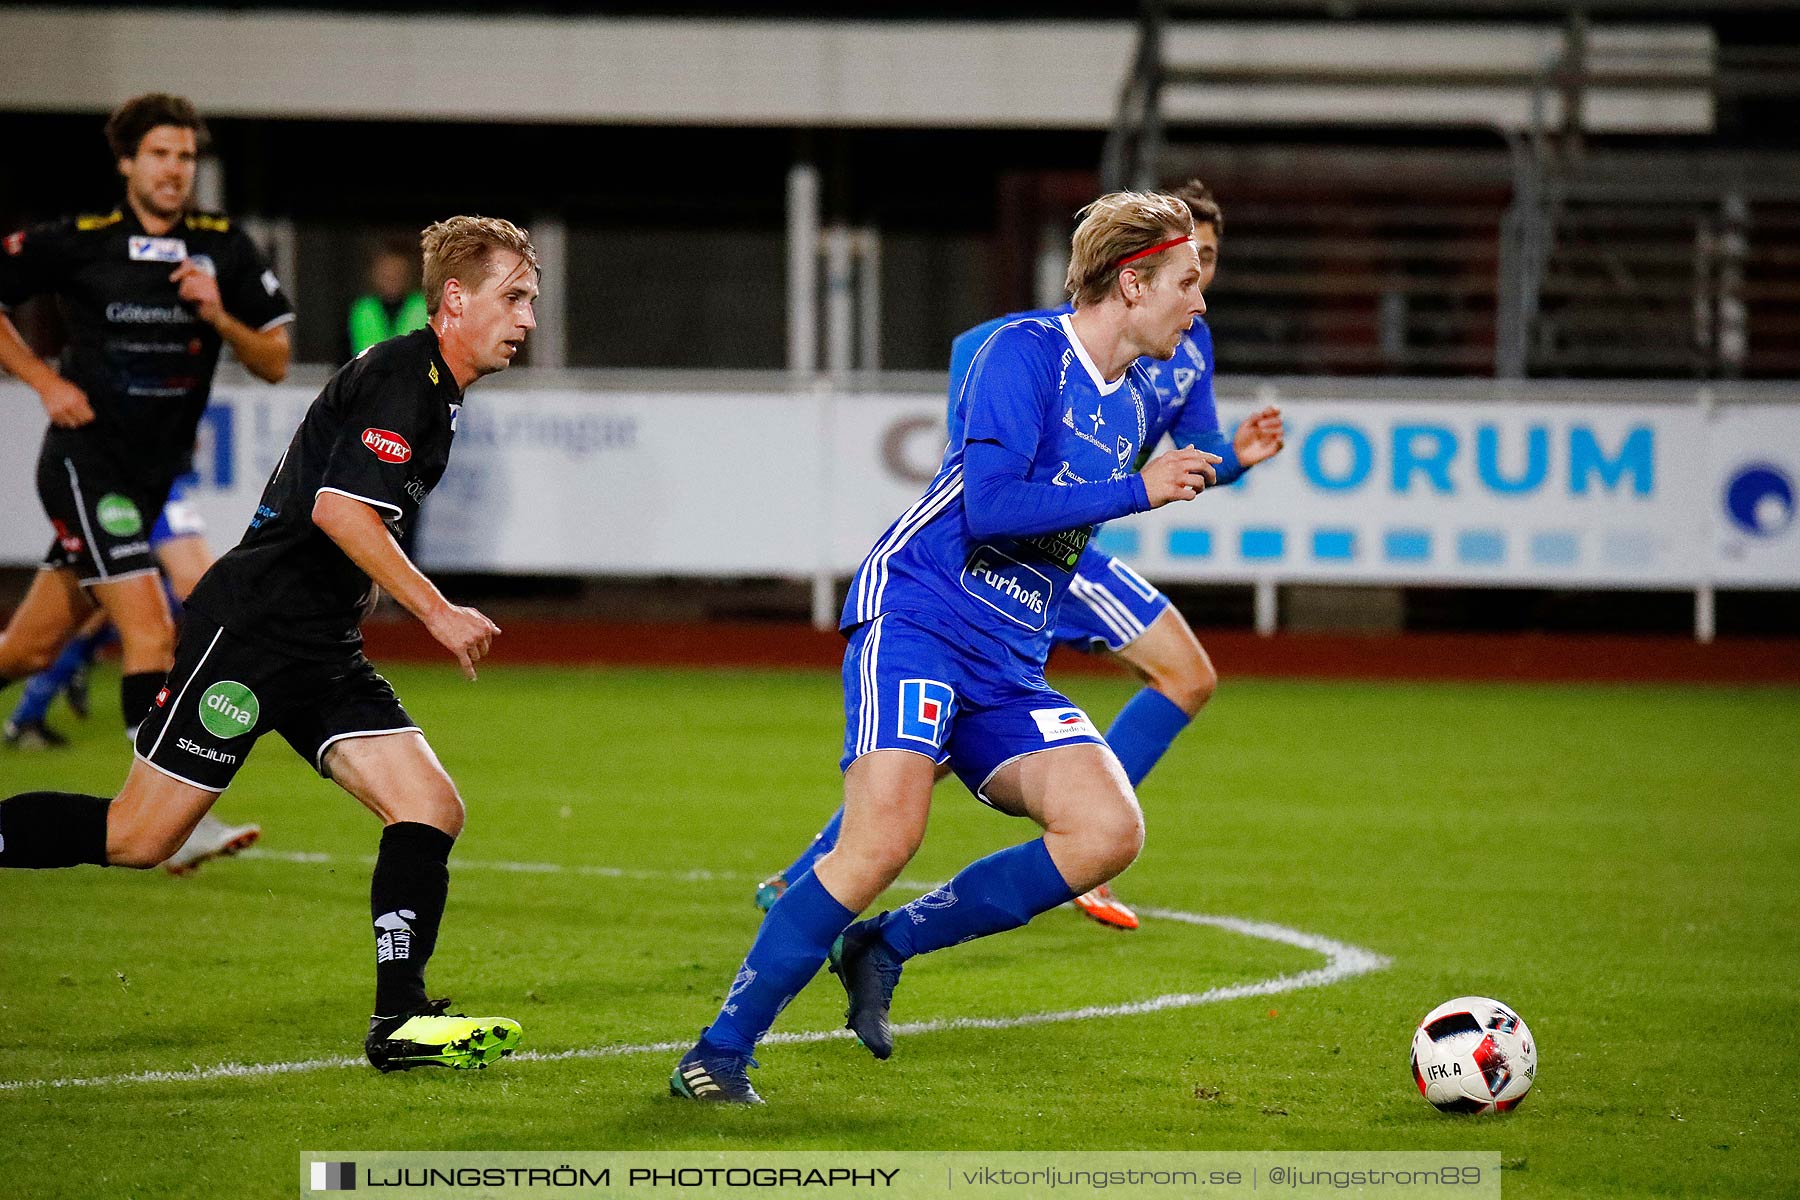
(1342, 961)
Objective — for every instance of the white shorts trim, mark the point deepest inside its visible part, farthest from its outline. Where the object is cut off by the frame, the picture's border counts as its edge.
(937, 760)
(169, 716)
(393, 508)
(91, 580)
(81, 511)
(180, 778)
(334, 739)
(981, 792)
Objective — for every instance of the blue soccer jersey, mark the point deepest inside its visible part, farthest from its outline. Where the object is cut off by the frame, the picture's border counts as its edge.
(1183, 386)
(1048, 451)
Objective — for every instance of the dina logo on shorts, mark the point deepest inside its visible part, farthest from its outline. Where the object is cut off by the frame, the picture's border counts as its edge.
(118, 515)
(228, 709)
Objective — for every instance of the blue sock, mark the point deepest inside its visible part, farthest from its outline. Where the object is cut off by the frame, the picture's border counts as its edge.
(991, 895)
(41, 689)
(1143, 730)
(824, 841)
(789, 949)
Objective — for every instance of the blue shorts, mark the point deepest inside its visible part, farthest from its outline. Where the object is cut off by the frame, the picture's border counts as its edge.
(1109, 605)
(907, 688)
(178, 518)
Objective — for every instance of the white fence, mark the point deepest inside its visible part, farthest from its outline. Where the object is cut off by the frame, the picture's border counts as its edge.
(1610, 486)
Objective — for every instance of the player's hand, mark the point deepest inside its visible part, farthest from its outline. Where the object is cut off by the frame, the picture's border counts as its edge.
(67, 404)
(1178, 475)
(200, 289)
(465, 633)
(1260, 437)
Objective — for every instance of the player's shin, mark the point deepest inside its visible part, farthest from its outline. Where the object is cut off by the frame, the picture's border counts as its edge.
(991, 895)
(790, 947)
(53, 829)
(406, 899)
(1143, 731)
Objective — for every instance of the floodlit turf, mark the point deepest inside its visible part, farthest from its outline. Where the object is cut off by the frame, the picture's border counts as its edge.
(1615, 863)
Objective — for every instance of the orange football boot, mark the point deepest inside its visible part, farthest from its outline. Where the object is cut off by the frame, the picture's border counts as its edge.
(1104, 907)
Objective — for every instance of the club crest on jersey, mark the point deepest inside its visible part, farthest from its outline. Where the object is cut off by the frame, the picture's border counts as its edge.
(1060, 724)
(925, 708)
(386, 445)
(156, 249)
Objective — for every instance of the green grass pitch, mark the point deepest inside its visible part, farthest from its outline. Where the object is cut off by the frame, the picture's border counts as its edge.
(1617, 863)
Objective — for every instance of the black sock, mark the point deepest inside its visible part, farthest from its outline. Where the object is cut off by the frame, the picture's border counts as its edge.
(137, 693)
(406, 898)
(53, 829)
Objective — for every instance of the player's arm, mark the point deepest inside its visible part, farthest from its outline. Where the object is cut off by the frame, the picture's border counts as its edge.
(265, 351)
(30, 261)
(358, 530)
(1011, 388)
(67, 404)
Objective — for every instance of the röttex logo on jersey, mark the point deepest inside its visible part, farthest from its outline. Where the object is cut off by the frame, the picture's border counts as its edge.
(228, 708)
(386, 445)
(1759, 499)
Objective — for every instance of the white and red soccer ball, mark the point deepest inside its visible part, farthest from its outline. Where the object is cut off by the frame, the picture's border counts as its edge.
(1473, 1055)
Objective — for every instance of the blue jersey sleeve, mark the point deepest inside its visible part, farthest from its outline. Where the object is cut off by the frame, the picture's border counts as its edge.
(1000, 499)
(962, 356)
(1008, 399)
(1198, 423)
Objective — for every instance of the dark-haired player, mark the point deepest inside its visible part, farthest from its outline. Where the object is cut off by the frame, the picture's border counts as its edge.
(152, 291)
(272, 642)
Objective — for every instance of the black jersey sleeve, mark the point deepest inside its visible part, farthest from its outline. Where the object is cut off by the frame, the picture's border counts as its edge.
(33, 261)
(249, 288)
(372, 459)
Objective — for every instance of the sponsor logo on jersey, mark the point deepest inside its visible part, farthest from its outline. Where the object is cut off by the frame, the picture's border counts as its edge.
(228, 709)
(1060, 724)
(207, 752)
(15, 242)
(118, 515)
(925, 708)
(386, 445)
(127, 549)
(123, 313)
(156, 249)
(1017, 592)
(1063, 547)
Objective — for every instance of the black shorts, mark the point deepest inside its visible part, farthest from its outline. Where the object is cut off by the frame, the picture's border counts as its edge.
(102, 519)
(224, 692)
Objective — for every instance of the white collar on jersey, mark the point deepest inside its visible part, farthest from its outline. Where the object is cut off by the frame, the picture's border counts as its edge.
(1100, 385)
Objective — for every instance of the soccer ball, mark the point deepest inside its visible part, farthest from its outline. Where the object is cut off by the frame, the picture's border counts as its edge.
(1473, 1055)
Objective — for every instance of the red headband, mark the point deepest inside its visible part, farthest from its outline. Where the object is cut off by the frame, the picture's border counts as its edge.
(1156, 249)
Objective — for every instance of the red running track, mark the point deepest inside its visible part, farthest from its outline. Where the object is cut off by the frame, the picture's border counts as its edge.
(1240, 653)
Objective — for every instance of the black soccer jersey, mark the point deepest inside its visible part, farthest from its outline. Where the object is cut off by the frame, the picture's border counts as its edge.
(140, 353)
(380, 433)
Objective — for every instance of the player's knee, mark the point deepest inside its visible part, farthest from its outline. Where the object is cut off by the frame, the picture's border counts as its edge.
(1114, 836)
(1189, 685)
(445, 808)
(150, 639)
